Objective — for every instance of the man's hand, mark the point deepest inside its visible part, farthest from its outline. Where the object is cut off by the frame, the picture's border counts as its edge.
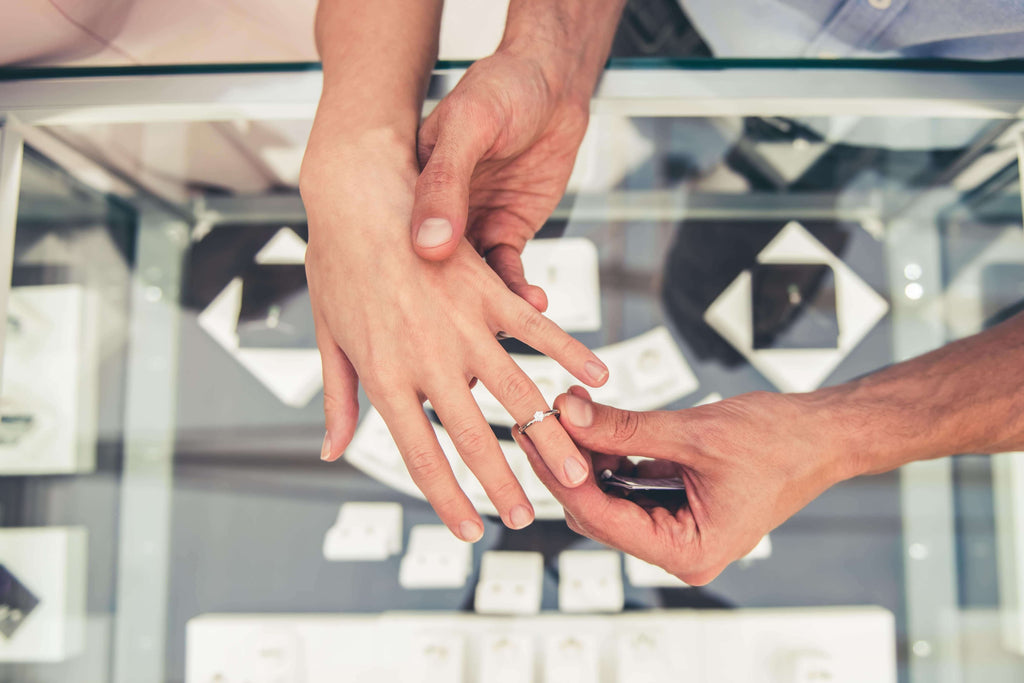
(496, 154)
(749, 463)
(412, 330)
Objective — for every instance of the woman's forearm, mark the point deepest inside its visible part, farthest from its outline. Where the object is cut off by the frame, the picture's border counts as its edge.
(377, 56)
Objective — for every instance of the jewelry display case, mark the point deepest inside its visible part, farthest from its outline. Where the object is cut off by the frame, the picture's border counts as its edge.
(730, 226)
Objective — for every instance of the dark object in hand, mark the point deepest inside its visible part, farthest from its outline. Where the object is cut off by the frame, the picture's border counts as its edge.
(647, 492)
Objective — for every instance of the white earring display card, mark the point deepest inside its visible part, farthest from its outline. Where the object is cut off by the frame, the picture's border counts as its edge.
(590, 581)
(435, 559)
(567, 270)
(365, 531)
(48, 408)
(510, 582)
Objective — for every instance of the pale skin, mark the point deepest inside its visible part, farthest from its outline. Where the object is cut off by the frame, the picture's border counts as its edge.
(752, 461)
(409, 329)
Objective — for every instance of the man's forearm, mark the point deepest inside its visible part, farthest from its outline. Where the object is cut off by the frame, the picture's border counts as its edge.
(377, 58)
(967, 397)
(572, 39)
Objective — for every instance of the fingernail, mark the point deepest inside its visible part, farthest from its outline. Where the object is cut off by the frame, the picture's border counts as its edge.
(575, 471)
(578, 411)
(520, 516)
(325, 449)
(471, 531)
(434, 232)
(596, 371)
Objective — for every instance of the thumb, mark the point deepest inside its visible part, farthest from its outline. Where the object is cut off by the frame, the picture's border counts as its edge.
(604, 429)
(441, 206)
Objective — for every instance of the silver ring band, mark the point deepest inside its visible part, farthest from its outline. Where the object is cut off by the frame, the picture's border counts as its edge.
(538, 416)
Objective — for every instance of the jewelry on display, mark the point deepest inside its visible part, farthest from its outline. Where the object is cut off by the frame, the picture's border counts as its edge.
(538, 416)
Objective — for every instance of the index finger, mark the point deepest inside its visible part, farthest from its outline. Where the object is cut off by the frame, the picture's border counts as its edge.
(528, 325)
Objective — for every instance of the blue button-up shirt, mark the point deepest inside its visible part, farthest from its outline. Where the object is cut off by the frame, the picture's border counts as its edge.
(955, 29)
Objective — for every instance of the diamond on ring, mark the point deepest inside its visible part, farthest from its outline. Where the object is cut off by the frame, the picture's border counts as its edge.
(538, 416)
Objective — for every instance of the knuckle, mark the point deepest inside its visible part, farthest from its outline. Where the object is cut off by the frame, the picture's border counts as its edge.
(625, 425)
(576, 115)
(529, 322)
(424, 464)
(437, 178)
(700, 572)
(383, 393)
(700, 577)
(445, 505)
(469, 439)
(507, 489)
(515, 387)
(424, 147)
(332, 404)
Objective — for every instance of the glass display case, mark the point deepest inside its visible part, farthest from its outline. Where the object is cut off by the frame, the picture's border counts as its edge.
(729, 227)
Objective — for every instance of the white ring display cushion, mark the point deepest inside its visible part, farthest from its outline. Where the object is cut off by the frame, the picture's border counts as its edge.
(836, 644)
(646, 372)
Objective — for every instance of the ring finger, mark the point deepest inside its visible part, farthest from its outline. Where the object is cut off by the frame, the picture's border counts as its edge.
(522, 399)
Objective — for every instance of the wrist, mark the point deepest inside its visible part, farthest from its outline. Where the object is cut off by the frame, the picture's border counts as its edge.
(840, 427)
(357, 181)
(349, 116)
(569, 39)
(337, 150)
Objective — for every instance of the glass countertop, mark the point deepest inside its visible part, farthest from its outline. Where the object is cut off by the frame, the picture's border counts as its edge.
(164, 515)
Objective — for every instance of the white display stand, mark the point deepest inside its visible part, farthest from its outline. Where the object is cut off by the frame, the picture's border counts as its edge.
(50, 376)
(858, 307)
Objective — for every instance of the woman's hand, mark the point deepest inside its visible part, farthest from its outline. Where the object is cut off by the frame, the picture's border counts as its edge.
(749, 463)
(410, 329)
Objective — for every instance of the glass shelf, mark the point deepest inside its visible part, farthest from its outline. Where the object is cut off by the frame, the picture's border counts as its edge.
(180, 481)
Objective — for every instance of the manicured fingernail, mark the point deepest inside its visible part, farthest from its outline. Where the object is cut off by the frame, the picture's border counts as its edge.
(575, 471)
(596, 371)
(520, 516)
(579, 411)
(434, 232)
(325, 449)
(471, 531)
